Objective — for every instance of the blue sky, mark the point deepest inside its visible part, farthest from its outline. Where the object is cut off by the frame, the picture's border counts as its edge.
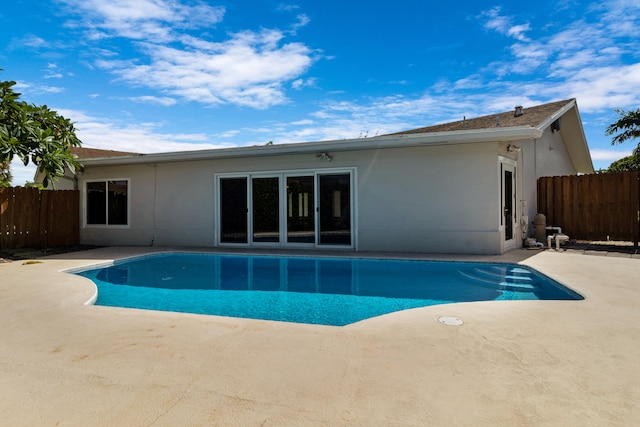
(172, 75)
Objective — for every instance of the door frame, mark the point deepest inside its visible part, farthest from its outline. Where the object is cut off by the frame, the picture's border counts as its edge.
(508, 165)
(282, 175)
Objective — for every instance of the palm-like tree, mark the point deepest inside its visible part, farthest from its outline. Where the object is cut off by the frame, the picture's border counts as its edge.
(626, 128)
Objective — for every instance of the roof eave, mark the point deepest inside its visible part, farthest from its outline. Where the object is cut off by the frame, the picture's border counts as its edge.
(555, 116)
(379, 142)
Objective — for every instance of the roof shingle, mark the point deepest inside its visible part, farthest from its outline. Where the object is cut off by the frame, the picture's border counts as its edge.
(532, 116)
(96, 153)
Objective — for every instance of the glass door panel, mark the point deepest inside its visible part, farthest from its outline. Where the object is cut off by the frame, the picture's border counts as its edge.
(266, 209)
(233, 210)
(508, 205)
(300, 209)
(508, 219)
(335, 209)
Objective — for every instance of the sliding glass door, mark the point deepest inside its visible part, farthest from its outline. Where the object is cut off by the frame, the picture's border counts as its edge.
(266, 209)
(335, 209)
(300, 209)
(286, 209)
(233, 210)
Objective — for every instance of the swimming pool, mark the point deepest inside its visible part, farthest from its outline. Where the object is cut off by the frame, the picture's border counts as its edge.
(327, 291)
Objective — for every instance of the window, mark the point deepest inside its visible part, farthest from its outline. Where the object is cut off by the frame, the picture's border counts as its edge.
(107, 202)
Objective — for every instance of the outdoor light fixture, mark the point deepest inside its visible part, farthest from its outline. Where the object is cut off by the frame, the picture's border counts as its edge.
(324, 156)
(512, 148)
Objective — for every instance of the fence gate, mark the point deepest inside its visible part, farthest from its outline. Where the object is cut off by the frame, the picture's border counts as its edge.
(38, 219)
(593, 207)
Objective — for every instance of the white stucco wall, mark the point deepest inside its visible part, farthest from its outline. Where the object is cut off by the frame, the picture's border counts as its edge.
(423, 199)
(439, 199)
(546, 156)
(552, 158)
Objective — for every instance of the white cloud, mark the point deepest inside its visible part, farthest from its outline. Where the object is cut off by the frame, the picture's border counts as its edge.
(587, 59)
(52, 72)
(303, 20)
(605, 87)
(21, 173)
(143, 138)
(528, 58)
(300, 84)
(284, 7)
(517, 32)
(32, 88)
(302, 122)
(503, 24)
(621, 16)
(31, 41)
(247, 69)
(608, 155)
(227, 134)
(143, 19)
(51, 89)
(164, 101)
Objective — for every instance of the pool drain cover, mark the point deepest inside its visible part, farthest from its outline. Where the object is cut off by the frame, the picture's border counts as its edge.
(451, 321)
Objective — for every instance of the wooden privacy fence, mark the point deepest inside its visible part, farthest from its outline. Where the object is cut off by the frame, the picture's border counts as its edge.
(593, 207)
(38, 219)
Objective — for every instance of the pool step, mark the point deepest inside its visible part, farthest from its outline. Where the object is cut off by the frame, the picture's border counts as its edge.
(501, 277)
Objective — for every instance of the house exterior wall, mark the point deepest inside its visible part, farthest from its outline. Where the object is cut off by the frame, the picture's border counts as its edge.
(443, 198)
(552, 157)
(545, 156)
(436, 199)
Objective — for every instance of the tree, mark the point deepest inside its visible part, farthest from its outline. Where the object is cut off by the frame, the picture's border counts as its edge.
(35, 133)
(627, 127)
(5, 174)
(626, 164)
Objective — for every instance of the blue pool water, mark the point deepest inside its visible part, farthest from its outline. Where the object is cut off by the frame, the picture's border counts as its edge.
(327, 291)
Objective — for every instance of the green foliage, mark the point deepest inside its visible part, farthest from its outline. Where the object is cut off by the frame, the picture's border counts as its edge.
(32, 184)
(35, 133)
(626, 164)
(627, 127)
(5, 174)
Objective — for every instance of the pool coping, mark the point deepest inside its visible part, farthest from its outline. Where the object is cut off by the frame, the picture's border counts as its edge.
(568, 293)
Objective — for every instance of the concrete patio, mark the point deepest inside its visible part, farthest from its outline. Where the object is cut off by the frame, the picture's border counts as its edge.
(512, 363)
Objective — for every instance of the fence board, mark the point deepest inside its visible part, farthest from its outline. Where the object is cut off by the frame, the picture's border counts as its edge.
(31, 218)
(593, 207)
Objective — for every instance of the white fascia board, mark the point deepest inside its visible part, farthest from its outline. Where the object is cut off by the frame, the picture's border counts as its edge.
(378, 142)
(555, 116)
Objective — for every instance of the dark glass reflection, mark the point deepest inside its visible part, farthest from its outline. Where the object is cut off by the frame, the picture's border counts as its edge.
(335, 209)
(266, 210)
(233, 210)
(300, 210)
